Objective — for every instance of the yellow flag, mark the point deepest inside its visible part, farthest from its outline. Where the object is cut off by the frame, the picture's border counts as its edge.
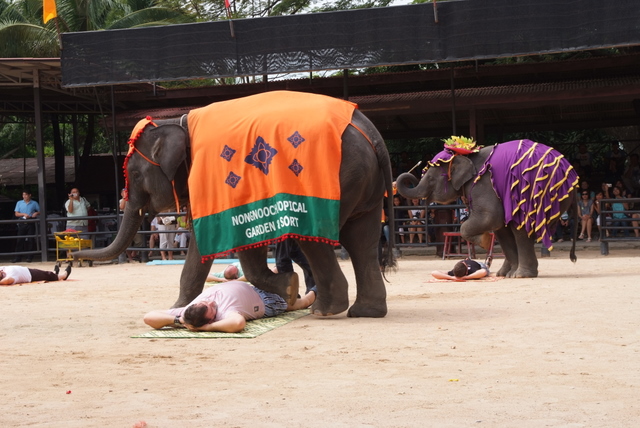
(48, 10)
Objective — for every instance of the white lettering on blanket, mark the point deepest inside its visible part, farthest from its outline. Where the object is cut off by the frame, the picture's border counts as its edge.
(280, 206)
(260, 229)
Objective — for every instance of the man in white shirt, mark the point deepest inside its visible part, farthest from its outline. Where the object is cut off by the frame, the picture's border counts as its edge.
(226, 307)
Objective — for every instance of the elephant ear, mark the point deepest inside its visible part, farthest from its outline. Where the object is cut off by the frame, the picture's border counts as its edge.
(462, 170)
(169, 148)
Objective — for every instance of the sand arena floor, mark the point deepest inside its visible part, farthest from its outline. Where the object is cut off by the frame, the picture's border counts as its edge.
(560, 350)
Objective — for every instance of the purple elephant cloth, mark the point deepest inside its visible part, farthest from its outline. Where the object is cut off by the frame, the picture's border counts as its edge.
(531, 179)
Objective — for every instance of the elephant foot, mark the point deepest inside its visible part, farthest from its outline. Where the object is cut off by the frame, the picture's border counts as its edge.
(504, 271)
(322, 309)
(370, 311)
(525, 273)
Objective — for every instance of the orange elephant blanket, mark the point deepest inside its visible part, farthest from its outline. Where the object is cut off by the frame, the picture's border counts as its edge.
(266, 167)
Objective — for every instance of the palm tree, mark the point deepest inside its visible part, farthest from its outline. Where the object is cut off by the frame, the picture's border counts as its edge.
(25, 34)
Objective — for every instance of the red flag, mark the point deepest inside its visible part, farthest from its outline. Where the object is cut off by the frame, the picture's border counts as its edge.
(49, 10)
(227, 4)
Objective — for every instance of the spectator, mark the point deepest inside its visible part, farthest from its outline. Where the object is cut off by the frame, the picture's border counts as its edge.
(631, 176)
(605, 188)
(584, 186)
(586, 215)
(183, 234)
(417, 221)
(154, 238)
(584, 160)
(431, 221)
(138, 240)
(598, 206)
(619, 216)
(167, 223)
(561, 227)
(400, 216)
(615, 162)
(77, 206)
(25, 209)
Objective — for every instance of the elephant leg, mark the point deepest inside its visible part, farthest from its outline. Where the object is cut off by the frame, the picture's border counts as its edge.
(527, 259)
(510, 250)
(360, 237)
(257, 272)
(194, 274)
(332, 286)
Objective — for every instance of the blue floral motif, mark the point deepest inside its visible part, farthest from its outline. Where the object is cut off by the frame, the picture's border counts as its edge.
(296, 167)
(227, 153)
(232, 180)
(261, 155)
(296, 139)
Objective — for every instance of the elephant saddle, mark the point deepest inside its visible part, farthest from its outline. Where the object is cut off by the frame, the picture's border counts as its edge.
(264, 168)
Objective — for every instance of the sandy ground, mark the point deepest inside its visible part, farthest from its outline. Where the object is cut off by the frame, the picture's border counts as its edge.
(561, 350)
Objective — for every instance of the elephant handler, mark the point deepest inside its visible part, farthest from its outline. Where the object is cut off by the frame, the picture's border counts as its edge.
(226, 307)
(463, 270)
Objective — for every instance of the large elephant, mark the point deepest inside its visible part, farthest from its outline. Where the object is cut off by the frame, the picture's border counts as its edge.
(161, 171)
(516, 189)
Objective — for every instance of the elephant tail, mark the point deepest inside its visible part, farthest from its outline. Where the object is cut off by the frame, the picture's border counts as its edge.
(388, 260)
(574, 231)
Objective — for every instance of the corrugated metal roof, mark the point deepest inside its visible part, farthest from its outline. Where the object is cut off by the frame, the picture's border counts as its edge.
(12, 171)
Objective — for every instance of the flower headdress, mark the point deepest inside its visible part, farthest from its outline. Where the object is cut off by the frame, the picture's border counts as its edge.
(455, 145)
(461, 145)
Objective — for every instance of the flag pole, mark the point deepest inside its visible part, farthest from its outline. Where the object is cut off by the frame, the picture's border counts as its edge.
(227, 6)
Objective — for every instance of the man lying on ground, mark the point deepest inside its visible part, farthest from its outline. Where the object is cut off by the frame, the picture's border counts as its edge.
(230, 273)
(226, 307)
(463, 270)
(10, 275)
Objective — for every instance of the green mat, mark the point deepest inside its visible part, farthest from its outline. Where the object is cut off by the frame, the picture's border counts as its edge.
(252, 329)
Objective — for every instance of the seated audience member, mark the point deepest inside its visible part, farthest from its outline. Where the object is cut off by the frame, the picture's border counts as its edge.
(561, 227)
(585, 206)
(416, 221)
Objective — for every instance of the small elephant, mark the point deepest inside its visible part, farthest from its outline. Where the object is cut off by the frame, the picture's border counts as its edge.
(516, 189)
(169, 163)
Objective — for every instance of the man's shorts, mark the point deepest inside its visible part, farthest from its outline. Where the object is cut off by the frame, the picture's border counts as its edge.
(274, 305)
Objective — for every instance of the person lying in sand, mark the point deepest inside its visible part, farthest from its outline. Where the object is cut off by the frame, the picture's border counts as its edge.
(10, 275)
(226, 307)
(230, 273)
(463, 270)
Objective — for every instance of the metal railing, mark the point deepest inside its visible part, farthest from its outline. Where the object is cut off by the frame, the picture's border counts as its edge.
(619, 222)
(107, 228)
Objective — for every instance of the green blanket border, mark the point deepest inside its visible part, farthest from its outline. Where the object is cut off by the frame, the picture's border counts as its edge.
(253, 329)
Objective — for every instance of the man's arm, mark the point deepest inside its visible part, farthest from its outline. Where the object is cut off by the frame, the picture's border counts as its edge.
(480, 273)
(234, 323)
(212, 278)
(7, 280)
(159, 319)
(438, 274)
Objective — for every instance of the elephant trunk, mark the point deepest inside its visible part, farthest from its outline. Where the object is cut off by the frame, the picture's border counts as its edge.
(409, 186)
(131, 222)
